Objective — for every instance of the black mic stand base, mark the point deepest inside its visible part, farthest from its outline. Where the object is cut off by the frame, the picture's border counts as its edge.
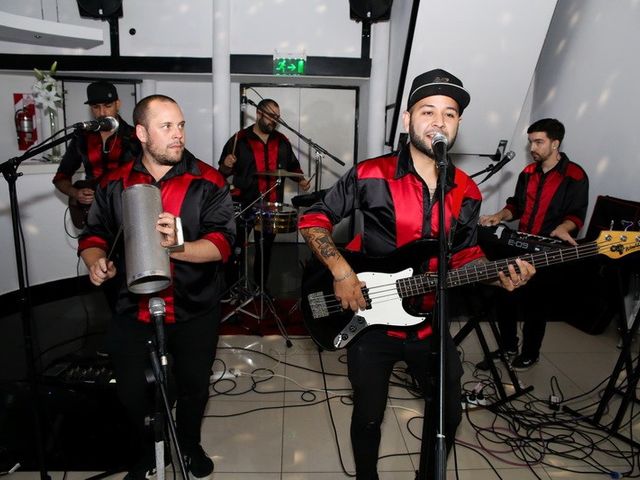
(163, 417)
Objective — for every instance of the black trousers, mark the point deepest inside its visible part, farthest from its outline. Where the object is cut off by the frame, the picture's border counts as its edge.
(532, 304)
(370, 361)
(191, 346)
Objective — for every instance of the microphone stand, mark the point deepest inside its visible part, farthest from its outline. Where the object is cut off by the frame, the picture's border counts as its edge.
(9, 170)
(433, 452)
(498, 166)
(162, 417)
(488, 168)
(320, 151)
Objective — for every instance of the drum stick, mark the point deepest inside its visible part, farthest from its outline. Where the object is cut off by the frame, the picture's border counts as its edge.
(235, 141)
(311, 178)
(115, 242)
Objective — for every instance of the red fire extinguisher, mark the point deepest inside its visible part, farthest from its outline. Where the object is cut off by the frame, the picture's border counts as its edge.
(25, 128)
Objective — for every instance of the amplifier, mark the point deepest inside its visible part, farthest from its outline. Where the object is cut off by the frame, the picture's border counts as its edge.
(81, 371)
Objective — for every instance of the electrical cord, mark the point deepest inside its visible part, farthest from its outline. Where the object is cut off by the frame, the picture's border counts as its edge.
(65, 225)
(523, 433)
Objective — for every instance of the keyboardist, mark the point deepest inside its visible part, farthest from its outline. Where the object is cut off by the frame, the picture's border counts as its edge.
(550, 200)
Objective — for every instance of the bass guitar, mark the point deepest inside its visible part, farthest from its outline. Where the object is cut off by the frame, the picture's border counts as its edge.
(79, 211)
(391, 284)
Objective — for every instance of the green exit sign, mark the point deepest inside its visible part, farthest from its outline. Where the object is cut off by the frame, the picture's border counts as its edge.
(289, 66)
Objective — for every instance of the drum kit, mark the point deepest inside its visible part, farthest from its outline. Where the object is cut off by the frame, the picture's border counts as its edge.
(267, 218)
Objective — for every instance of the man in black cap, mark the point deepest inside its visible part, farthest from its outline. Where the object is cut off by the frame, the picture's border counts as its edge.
(396, 195)
(98, 152)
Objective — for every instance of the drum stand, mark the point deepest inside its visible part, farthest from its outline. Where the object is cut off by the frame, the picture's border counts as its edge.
(246, 290)
(264, 298)
(243, 289)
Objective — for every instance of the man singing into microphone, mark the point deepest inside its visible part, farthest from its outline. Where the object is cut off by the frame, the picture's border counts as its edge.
(97, 151)
(550, 200)
(397, 195)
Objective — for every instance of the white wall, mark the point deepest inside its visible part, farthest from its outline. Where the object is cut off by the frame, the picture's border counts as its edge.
(183, 28)
(588, 77)
(63, 11)
(492, 46)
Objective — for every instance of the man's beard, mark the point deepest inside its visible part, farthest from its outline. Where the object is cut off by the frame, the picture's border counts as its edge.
(266, 127)
(162, 157)
(420, 144)
(540, 158)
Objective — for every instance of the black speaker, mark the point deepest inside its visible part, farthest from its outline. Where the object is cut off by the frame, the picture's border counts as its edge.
(612, 213)
(370, 10)
(102, 9)
(83, 424)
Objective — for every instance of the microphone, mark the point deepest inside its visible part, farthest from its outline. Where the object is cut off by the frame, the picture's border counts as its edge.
(439, 146)
(104, 124)
(156, 307)
(157, 311)
(506, 159)
(243, 100)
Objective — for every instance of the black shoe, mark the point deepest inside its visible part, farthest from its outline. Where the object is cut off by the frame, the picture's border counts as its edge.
(145, 467)
(484, 364)
(522, 363)
(142, 470)
(198, 463)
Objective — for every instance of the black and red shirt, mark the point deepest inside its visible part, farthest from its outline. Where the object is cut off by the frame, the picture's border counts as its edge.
(397, 209)
(86, 149)
(198, 194)
(253, 155)
(542, 201)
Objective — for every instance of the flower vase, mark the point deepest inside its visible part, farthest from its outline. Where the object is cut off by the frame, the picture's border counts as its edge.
(55, 154)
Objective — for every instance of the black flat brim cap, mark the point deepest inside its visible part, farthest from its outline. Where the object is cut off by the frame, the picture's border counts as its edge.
(438, 82)
(101, 92)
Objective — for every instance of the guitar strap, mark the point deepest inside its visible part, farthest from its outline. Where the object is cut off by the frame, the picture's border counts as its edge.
(357, 219)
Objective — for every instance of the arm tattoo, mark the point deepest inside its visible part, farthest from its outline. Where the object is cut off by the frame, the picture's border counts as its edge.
(320, 243)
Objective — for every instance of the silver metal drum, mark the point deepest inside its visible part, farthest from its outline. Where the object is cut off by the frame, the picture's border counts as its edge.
(147, 262)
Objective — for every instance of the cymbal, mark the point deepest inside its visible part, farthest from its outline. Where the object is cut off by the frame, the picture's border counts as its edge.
(280, 173)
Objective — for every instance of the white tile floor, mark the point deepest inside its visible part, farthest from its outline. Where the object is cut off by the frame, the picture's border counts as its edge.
(271, 422)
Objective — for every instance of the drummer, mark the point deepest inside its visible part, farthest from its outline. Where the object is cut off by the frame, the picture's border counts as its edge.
(256, 157)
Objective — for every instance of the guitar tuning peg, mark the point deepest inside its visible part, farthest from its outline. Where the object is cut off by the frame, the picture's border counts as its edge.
(626, 224)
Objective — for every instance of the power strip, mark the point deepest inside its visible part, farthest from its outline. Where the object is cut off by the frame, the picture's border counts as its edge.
(477, 399)
(230, 374)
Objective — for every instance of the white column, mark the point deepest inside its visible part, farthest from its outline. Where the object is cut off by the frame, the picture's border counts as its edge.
(378, 88)
(221, 75)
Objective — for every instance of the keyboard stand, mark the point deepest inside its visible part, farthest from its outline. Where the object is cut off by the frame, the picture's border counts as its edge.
(473, 324)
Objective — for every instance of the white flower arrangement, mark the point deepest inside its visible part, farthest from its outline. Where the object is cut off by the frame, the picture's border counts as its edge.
(45, 90)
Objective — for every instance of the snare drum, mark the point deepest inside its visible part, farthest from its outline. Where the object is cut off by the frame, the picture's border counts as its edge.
(276, 218)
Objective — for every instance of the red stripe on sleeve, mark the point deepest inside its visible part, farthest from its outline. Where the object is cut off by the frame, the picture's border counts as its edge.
(221, 243)
(310, 220)
(92, 241)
